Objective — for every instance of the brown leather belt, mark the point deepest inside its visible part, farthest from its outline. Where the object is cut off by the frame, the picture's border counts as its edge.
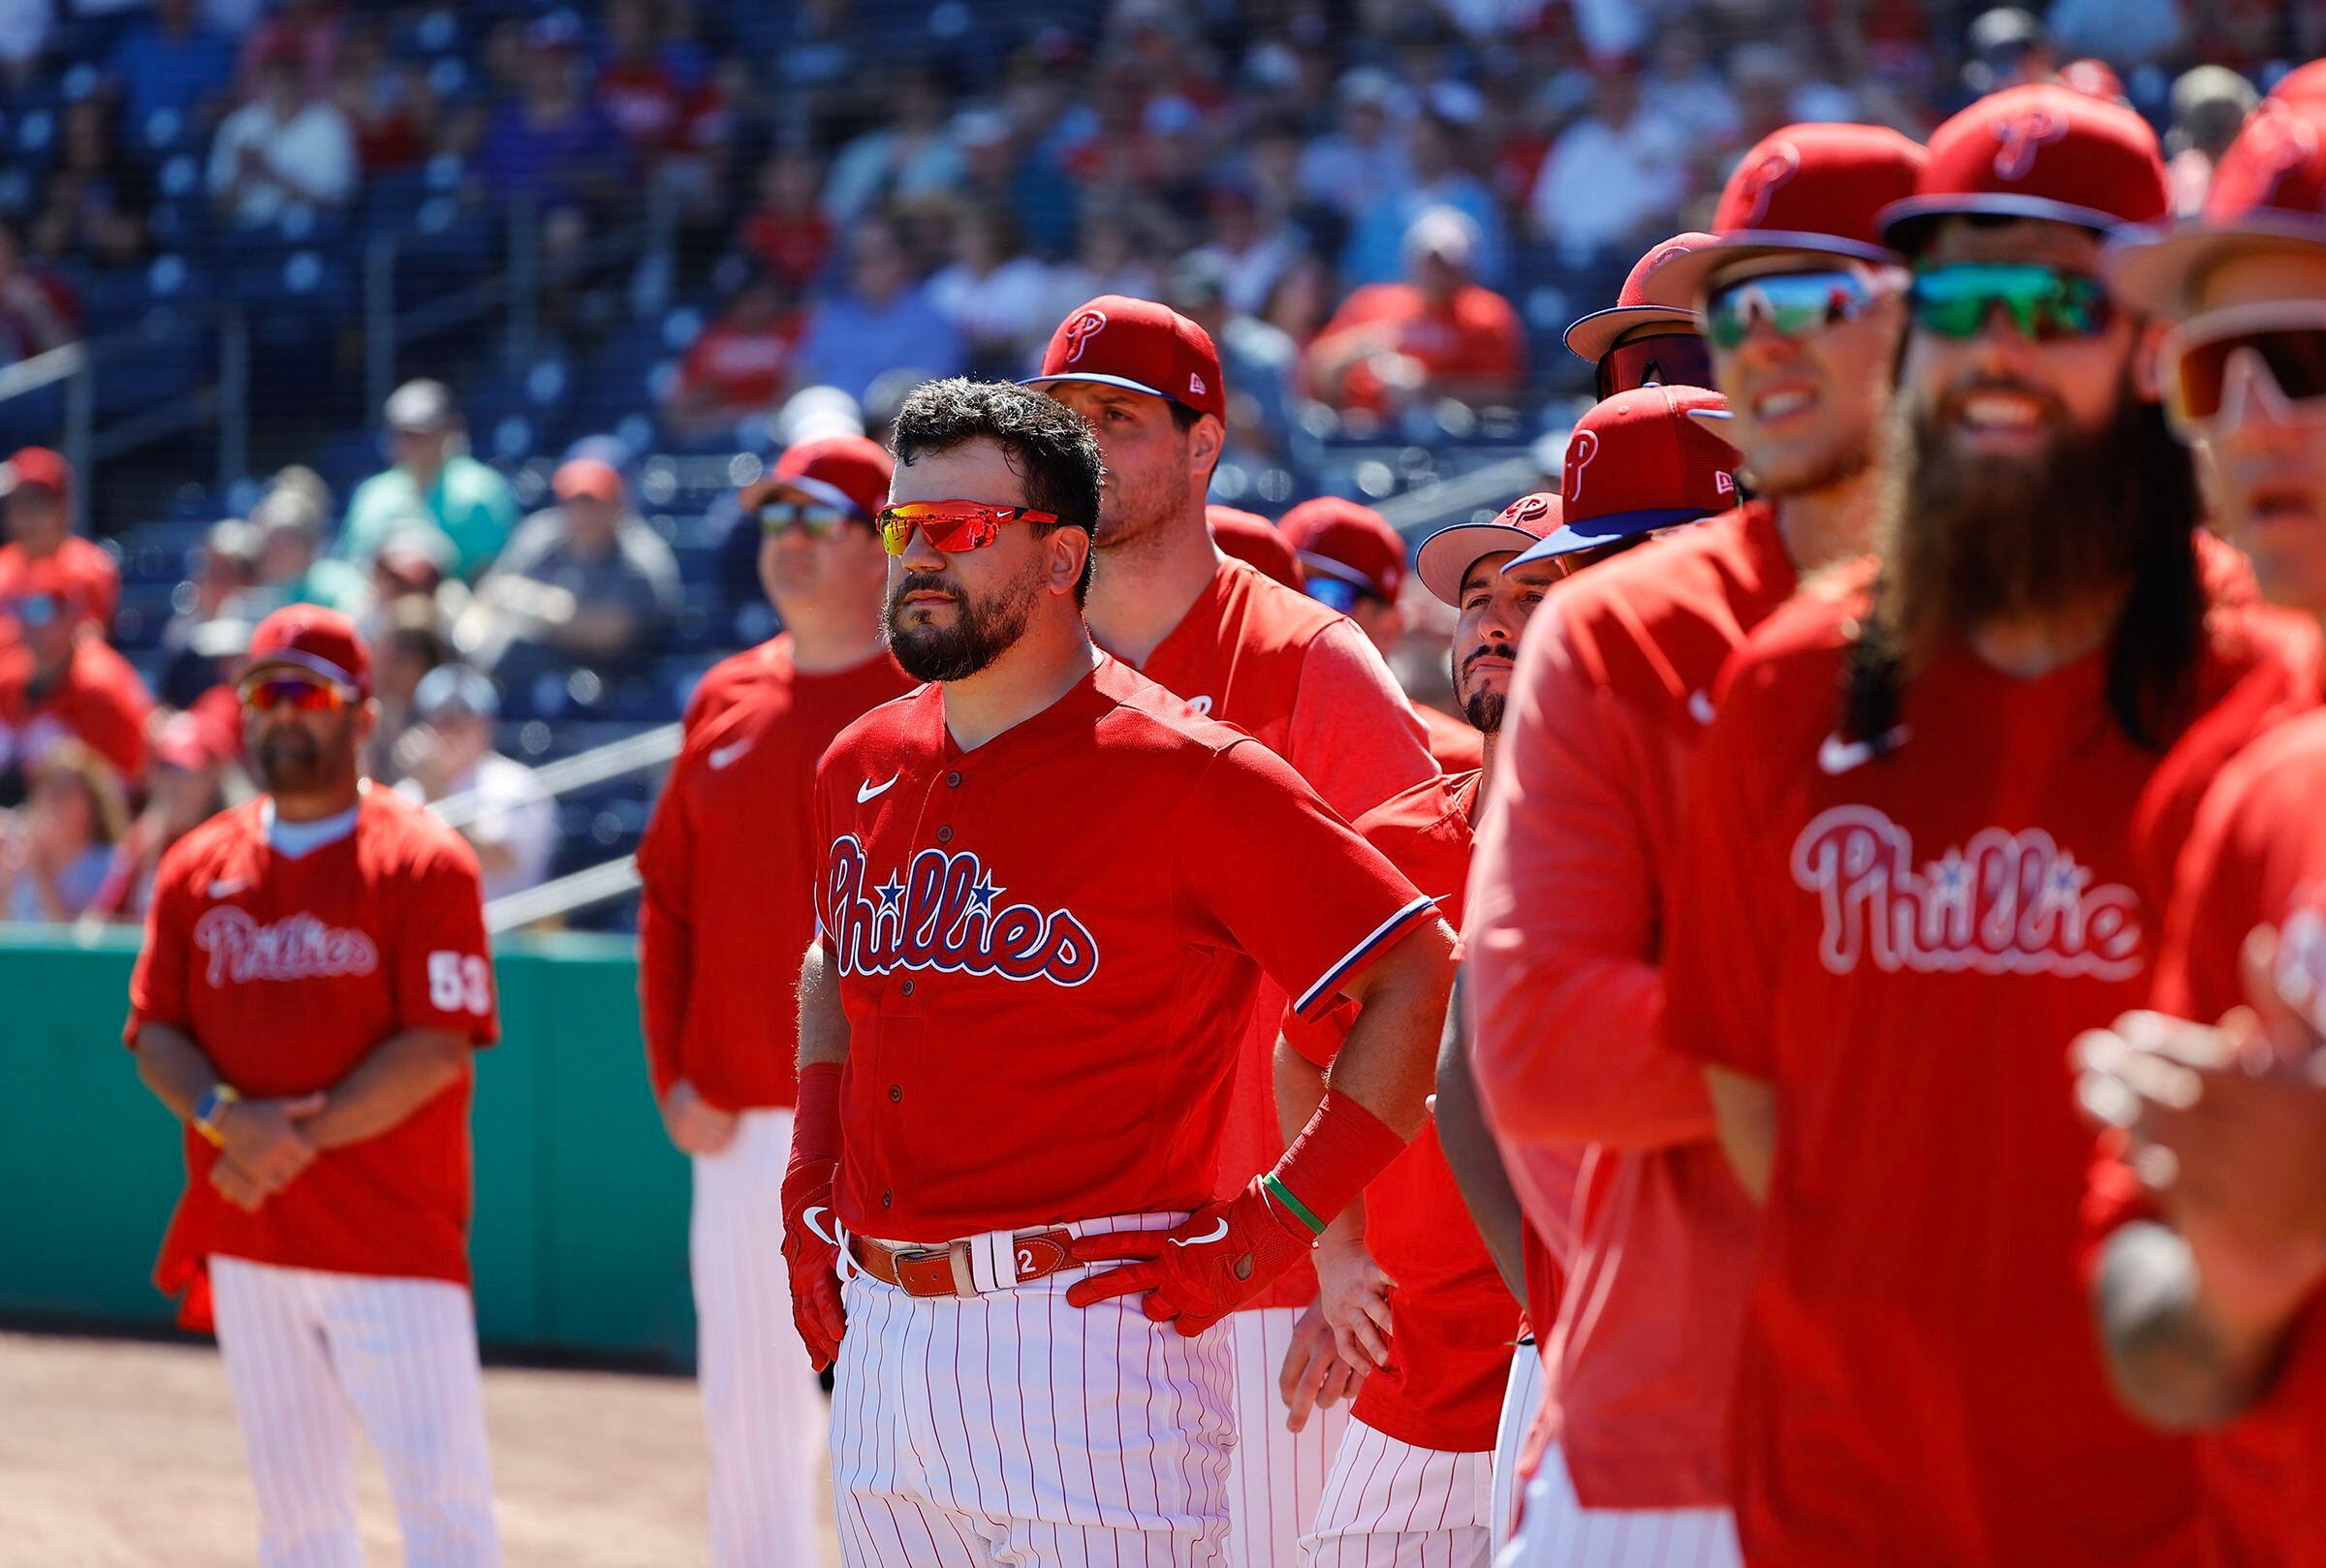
(944, 1269)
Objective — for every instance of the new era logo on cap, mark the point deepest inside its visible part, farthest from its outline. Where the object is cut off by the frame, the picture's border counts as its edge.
(1140, 346)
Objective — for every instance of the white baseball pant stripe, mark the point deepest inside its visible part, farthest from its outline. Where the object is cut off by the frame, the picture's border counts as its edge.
(1388, 1504)
(1522, 1398)
(761, 1401)
(1013, 1429)
(1277, 1476)
(311, 1356)
(1556, 1531)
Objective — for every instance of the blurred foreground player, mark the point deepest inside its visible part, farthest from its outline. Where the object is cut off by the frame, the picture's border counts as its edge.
(729, 864)
(1047, 897)
(1930, 823)
(313, 981)
(1566, 934)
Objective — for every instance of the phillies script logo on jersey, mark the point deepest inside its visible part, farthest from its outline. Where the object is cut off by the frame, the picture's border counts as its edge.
(2002, 904)
(296, 946)
(946, 913)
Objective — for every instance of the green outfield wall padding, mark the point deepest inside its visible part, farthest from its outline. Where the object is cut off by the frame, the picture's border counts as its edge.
(579, 1244)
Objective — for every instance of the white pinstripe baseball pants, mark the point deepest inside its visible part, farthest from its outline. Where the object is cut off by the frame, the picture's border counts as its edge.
(1388, 1504)
(1522, 1398)
(309, 1356)
(1012, 1429)
(1277, 1477)
(761, 1401)
(1556, 1531)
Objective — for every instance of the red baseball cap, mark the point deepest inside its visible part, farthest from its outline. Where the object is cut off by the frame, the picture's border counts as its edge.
(593, 477)
(2038, 151)
(1447, 555)
(845, 471)
(1643, 460)
(1138, 345)
(2269, 189)
(1339, 537)
(308, 636)
(37, 465)
(1815, 188)
(2302, 83)
(1592, 335)
(1250, 537)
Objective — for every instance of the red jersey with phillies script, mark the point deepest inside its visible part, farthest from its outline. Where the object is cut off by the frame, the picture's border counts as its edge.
(287, 971)
(1048, 950)
(1902, 946)
(1310, 686)
(729, 863)
(1566, 944)
(1451, 1317)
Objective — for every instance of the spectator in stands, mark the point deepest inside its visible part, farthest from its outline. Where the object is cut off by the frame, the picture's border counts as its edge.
(1258, 361)
(59, 846)
(997, 172)
(1248, 250)
(1613, 176)
(433, 476)
(996, 297)
(2210, 103)
(1436, 335)
(787, 231)
(37, 310)
(292, 569)
(1437, 154)
(1111, 257)
(1347, 165)
(738, 364)
(2126, 33)
(584, 581)
(306, 32)
(1683, 82)
(883, 322)
(409, 643)
(61, 680)
(674, 122)
(2006, 47)
(391, 106)
(910, 155)
(36, 489)
(94, 204)
(225, 569)
(188, 781)
(448, 751)
(552, 146)
(173, 63)
(285, 148)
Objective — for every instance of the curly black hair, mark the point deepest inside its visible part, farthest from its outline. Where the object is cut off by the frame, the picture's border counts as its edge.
(1046, 443)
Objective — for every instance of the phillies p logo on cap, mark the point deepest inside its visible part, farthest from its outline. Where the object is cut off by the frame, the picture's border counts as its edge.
(1585, 447)
(1081, 330)
(1762, 181)
(1138, 345)
(2020, 137)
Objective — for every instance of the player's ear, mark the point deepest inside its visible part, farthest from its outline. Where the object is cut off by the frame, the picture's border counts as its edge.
(2147, 361)
(1207, 438)
(1065, 550)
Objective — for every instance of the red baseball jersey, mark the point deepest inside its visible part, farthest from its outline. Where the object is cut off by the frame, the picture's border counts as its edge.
(1047, 949)
(101, 701)
(1451, 1316)
(86, 566)
(1904, 946)
(1565, 941)
(730, 862)
(1309, 685)
(737, 674)
(287, 972)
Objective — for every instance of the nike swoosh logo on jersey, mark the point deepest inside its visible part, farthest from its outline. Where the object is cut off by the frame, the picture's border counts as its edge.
(723, 755)
(1836, 756)
(1219, 1232)
(1201, 705)
(866, 790)
(227, 886)
(1700, 709)
(808, 1217)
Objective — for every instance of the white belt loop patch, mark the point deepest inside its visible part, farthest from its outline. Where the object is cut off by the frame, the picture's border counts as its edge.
(993, 1261)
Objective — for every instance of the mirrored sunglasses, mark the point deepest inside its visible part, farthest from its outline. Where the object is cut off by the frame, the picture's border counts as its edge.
(2214, 365)
(269, 692)
(1676, 358)
(952, 526)
(1956, 300)
(1794, 304)
(817, 520)
(1334, 593)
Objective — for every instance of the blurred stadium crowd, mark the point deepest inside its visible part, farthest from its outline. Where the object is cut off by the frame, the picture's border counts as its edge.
(691, 233)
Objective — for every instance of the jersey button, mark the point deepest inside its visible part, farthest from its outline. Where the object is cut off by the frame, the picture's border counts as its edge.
(952, 780)
(896, 1093)
(945, 835)
(905, 989)
(887, 1198)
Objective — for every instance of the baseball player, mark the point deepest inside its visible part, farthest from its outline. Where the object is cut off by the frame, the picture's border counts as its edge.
(1301, 678)
(1250, 537)
(729, 863)
(1048, 895)
(1565, 939)
(2206, 1288)
(1637, 342)
(313, 981)
(1928, 826)
(1426, 1314)
(824, 577)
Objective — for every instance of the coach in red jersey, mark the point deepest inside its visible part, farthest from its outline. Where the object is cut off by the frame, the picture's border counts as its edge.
(820, 573)
(313, 981)
(1300, 677)
(2207, 1286)
(1929, 831)
(729, 864)
(1049, 893)
(1571, 889)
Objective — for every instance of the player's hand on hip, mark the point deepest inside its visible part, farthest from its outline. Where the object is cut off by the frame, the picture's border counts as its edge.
(1314, 1376)
(695, 1125)
(811, 1252)
(264, 1138)
(1353, 1298)
(238, 1186)
(1199, 1270)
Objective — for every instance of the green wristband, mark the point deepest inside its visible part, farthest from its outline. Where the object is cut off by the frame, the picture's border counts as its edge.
(1300, 1210)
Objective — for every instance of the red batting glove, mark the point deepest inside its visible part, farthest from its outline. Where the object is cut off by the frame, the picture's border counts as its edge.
(812, 1248)
(1201, 1269)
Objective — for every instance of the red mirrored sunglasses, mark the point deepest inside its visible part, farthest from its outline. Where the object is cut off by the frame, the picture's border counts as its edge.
(952, 526)
(266, 694)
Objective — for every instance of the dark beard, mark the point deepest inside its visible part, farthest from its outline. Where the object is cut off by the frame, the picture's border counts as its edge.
(980, 634)
(1482, 708)
(1966, 543)
(289, 760)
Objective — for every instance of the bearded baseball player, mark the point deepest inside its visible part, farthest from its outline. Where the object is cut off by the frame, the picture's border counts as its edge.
(1297, 674)
(1047, 897)
(1928, 826)
(313, 981)
(730, 862)
(2205, 1290)
(1802, 306)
